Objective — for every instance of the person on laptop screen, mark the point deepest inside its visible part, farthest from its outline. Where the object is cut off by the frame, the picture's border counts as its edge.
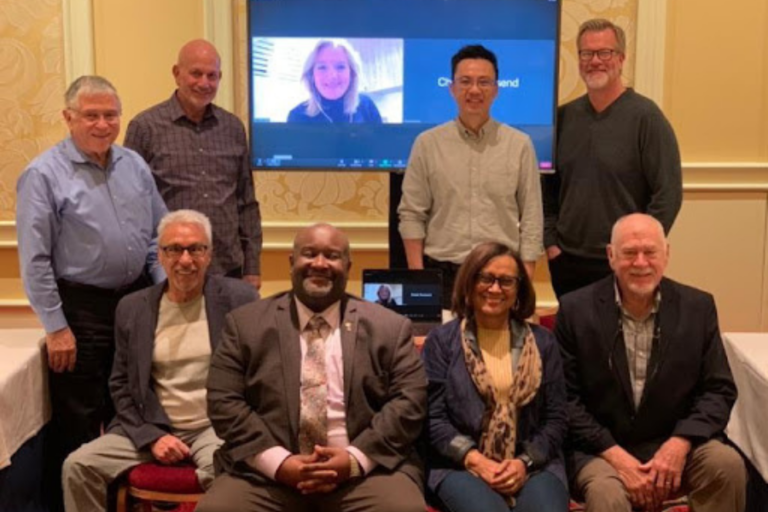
(332, 77)
(497, 400)
(384, 297)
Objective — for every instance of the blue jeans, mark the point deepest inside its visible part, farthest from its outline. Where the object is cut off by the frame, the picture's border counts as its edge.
(461, 491)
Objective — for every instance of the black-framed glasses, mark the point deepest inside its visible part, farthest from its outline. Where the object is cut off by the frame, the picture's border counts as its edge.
(505, 282)
(465, 82)
(176, 250)
(604, 54)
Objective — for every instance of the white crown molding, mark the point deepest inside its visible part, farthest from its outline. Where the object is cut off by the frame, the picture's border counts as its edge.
(650, 49)
(218, 28)
(77, 18)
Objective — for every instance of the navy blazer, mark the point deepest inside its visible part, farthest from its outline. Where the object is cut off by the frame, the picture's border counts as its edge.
(139, 415)
(456, 407)
(689, 392)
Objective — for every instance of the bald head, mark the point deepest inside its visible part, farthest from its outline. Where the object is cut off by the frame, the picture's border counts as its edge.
(634, 222)
(320, 266)
(197, 73)
(193, 50)
(321, 229)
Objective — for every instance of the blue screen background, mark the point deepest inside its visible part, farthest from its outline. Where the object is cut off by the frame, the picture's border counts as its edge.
(522, 33)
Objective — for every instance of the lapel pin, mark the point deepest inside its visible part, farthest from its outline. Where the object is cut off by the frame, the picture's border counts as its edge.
(348, 326)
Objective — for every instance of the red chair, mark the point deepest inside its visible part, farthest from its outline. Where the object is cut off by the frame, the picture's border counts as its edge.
(548, 321)
(152, 482)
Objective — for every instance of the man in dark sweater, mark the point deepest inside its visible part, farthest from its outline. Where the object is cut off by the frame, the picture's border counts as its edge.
(617, 154)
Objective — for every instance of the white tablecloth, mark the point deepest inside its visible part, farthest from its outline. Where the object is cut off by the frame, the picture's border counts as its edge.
(748, 357)
(24, 404)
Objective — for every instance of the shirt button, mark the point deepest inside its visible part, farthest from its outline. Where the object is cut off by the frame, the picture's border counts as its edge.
(205, 195)
(201, 150)
(130, 248)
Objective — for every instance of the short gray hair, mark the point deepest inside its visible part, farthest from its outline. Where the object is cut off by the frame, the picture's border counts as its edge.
(88, 84)
(600, 24)
(186, 217)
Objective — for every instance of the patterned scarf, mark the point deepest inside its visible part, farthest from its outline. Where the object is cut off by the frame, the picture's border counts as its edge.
(499, 426)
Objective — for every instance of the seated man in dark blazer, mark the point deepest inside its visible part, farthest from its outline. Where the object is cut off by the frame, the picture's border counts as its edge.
(319, 396)
(164, 338)
(649, 386)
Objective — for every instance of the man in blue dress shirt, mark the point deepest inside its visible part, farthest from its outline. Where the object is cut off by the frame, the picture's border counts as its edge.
(87, 212)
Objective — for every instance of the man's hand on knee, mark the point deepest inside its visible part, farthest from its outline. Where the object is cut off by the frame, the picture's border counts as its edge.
(667, 465)
(638, 482)
(170, 449)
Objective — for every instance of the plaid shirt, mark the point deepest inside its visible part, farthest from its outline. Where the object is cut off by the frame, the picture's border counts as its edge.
(205, 167)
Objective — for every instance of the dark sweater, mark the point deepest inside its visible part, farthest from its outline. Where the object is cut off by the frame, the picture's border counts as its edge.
(622, 160)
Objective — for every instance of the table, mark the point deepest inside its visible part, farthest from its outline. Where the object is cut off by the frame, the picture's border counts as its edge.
(748, 357)
(24, 404)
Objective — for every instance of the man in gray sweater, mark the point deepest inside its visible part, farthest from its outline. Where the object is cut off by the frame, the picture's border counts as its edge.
(616, 154)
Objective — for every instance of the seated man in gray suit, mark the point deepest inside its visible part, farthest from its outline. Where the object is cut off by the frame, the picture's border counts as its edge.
(649, 386)
(164, 338)
(319, 396)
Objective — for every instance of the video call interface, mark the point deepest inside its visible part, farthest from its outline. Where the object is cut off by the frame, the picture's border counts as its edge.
(310, 58)
(416, 301)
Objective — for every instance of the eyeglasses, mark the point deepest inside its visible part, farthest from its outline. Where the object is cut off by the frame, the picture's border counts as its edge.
(176, 251)
(465, 82)
(505, 282)
(92, 117)
(604, 54)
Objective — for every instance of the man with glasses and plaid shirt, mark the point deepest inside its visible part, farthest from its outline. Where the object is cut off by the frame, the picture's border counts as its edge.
(470, 180)
(164, 338)
(616, 154)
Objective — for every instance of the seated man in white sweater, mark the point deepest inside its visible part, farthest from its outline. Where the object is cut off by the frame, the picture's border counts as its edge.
(164, 338)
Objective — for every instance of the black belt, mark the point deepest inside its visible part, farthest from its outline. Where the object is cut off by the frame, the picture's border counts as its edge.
(447, 266)
(140, 283)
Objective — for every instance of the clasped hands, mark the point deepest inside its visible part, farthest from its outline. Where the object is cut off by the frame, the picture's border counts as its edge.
(506, 477)
(656, 481)
(321, 471)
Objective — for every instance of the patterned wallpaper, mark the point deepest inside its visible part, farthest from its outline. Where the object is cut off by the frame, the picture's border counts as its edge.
(32, 85)
(31, 88)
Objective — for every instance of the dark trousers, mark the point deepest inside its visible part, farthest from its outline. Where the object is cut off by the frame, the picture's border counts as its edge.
(80, 401)
(449, 271)
(570, 272)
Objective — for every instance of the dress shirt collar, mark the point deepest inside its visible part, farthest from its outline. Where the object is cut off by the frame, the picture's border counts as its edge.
(488, 129)
(177, 112)
(625, 313)
(331, 315)
(75, 155)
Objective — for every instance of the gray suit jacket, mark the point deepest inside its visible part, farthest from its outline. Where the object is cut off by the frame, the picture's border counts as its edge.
(139, 415)
(253, 385)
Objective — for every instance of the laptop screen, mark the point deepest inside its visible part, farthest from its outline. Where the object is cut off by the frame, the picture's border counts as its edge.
(415, 294)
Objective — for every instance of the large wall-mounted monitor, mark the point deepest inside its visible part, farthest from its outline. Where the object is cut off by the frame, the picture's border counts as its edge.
(303, 116)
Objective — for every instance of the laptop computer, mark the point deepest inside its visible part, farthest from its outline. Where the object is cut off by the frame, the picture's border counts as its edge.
(415, 294)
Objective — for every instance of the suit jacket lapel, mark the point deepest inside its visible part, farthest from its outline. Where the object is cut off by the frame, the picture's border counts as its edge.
(667, 318)
(348, 328)
(617, 350)
(287, 319)
(144, 341)
(215, 310)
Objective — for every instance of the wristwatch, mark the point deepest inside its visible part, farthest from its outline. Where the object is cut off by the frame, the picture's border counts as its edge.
(526, 460)
(354, 467)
